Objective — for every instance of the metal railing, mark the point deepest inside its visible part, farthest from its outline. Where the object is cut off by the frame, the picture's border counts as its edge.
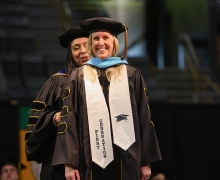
(209, 82)
(192, 61)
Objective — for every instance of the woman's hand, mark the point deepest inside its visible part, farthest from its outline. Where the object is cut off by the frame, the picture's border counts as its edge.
(71, 173)
(56, 118)
(145, 172)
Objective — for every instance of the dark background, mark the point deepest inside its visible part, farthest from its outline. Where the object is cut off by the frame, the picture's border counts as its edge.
(185, 110)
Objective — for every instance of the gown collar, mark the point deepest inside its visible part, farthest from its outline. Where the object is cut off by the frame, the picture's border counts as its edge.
(63, 71)
(112, 61)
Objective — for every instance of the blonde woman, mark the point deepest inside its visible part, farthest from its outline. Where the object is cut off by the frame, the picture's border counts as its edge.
(107, 131)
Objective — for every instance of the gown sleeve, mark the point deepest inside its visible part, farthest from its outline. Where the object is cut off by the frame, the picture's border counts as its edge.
(150, 152)
(41, 132)
(67, 143)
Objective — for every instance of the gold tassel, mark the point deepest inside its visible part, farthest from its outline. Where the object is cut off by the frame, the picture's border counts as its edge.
(126, 43)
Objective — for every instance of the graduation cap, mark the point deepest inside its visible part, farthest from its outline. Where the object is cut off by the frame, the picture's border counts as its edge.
(103, 23)
(106, 24)
(13, 162)
(121, 117)
(73, 33)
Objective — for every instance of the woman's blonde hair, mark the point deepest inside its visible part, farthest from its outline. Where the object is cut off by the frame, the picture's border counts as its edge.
(115, 44)
(91, 73)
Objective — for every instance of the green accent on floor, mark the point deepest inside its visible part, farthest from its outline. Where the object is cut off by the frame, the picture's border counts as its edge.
(24, 113)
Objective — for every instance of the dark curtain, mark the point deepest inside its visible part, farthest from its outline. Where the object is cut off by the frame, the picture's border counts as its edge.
(9, 131)
(189, 140)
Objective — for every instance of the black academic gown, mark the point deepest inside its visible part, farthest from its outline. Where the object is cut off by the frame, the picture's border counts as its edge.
(73, 143)
(41, 132)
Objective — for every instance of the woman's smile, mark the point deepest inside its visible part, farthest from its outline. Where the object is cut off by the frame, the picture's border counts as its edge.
(102, 44)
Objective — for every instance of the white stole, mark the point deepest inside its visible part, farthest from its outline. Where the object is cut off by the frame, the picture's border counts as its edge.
(121, 111)
(99, 126)
(98, 117)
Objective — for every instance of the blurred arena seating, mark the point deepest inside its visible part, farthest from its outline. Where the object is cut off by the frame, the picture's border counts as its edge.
(29, 46)
(30, 52)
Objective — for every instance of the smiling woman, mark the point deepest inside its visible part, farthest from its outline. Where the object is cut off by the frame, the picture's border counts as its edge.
(45, 112)
(102, 44)
(108, 134)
